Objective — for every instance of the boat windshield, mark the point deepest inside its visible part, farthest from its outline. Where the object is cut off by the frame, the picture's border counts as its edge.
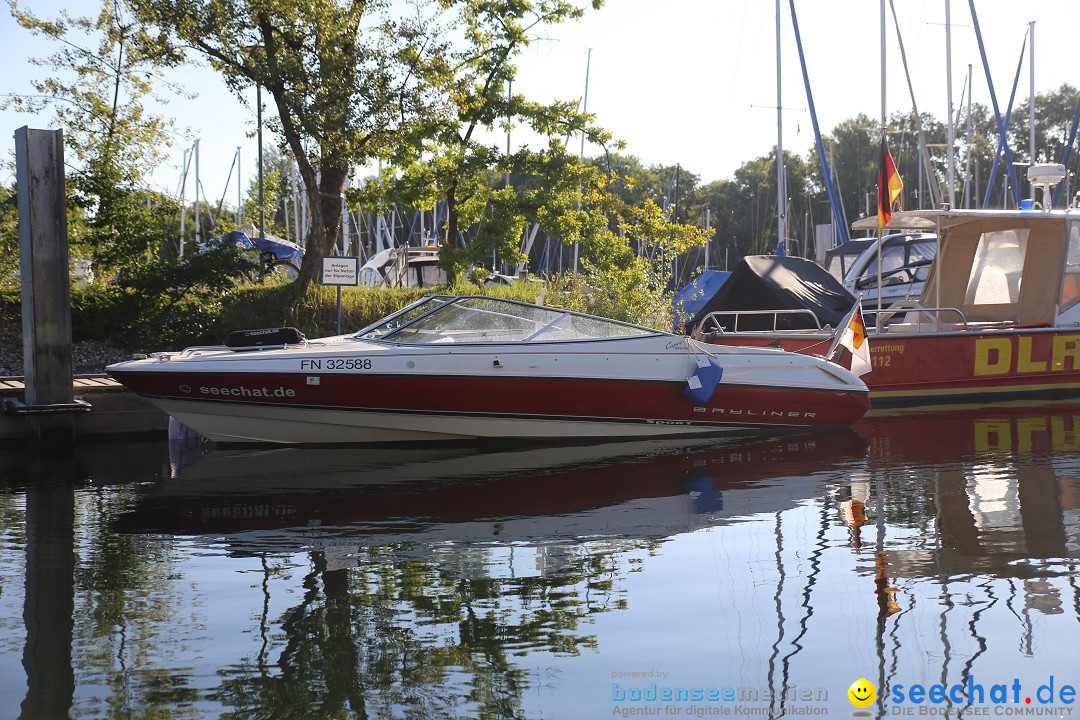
(401, 318)
(491, 320)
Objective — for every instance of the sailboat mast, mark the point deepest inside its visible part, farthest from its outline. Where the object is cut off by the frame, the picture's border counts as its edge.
(882, 180)
(781, 205)
(198, 205)
(581, 155)
(1031, 105)
(951, 140)
(883, 125)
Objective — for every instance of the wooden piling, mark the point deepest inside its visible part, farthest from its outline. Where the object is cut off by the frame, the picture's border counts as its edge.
(46, 291)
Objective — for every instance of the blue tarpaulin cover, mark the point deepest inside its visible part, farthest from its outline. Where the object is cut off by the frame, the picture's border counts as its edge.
(690, 298)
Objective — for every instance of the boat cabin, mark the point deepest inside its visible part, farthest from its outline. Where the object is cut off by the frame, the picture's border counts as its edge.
(1008, 268)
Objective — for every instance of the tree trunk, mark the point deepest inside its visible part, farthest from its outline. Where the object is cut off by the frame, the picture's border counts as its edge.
(324, 200)
(451, 229)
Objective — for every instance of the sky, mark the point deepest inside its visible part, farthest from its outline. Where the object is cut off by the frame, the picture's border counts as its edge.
(692, 82)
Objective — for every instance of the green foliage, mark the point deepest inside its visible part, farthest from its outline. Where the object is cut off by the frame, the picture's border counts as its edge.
(620, 280)
(276, 170)
(853, 148)
(255, 306)
(1053, 122)
(442, 156)
(95, 85)
(166, 312)
(352, 82)
(581, 204)
(636, 294)
(127, 226)
(155, 307)
(10, 304)
(477, 275)
(171, 308)
(655, 182)
(340, 74)
(9, 235)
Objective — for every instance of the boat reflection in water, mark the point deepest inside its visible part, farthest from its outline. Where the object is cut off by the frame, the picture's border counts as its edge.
(452, 496)
(572, 582)
(1004, 496)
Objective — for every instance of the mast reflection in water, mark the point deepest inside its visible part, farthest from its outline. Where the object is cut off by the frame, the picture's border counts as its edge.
(564, 582)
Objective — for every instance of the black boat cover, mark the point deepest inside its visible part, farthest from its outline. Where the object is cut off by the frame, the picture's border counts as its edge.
(776, 282)
(267, 337)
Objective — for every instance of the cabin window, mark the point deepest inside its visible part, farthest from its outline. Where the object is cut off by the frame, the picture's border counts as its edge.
(995, 272)
(835, 267)
(922, 252)
(1070, 287)
(892, 257)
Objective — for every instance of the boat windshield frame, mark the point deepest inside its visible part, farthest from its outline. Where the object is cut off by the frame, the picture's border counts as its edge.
(387, 324)
(397, 328)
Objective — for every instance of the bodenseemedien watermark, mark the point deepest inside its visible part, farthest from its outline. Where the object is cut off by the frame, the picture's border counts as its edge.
(662, 698)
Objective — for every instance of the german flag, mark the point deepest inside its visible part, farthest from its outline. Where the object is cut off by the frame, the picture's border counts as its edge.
(889, 185)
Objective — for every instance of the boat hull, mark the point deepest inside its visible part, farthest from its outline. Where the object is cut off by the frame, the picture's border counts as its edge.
(911, 369)
(370, 408)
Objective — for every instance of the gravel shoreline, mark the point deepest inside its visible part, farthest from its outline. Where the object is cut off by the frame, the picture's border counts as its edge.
(88, 356)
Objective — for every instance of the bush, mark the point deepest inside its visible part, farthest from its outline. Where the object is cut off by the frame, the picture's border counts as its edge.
(162, 320)
(160, 307)
(635, 296)
(10, 304)
(168, 309)
(316, 314)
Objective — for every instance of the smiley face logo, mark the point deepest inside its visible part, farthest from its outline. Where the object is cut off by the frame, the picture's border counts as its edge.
(861, 693)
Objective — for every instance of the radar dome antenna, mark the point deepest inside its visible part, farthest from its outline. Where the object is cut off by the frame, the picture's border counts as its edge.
(1044, 177)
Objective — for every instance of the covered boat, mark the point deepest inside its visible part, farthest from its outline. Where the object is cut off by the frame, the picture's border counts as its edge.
(770, 292)
(449, 368)
(998, 317)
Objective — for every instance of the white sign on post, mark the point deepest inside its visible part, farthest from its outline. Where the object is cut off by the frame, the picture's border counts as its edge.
(340, 270)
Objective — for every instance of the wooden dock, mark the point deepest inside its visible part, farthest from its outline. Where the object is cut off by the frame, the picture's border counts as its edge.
(10, 386)
(114, 412)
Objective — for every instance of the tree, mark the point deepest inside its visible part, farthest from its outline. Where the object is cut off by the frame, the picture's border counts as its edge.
(724, 203)
(1054, 113)
(9, 234)
(339, 72)
(450, 156)
(626, 249)
(853, 149)
(96, 93)
(1053, 120)
(276, 171)
(100, 107)
(663, 184)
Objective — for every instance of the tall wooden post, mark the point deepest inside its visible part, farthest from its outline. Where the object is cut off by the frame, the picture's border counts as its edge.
(46, 292)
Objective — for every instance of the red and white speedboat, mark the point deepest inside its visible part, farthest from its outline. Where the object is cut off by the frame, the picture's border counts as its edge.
(474, 367)
(998, 317)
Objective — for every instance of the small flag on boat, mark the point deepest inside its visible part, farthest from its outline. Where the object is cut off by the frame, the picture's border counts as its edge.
(890, 186)
(851, 334)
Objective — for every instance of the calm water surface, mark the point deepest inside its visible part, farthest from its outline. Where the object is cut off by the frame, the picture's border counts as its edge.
(674, 578)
